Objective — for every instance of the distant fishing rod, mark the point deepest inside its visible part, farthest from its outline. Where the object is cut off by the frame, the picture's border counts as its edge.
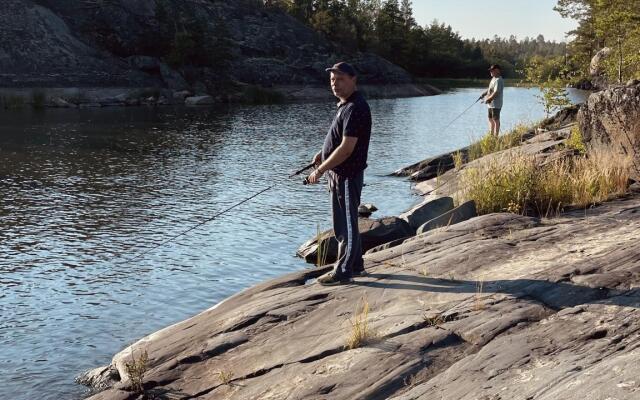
(462, 113)
(298, 172)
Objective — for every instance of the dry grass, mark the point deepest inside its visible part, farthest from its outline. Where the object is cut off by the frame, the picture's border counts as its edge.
(136, 370)
(435, 320)
(225, 376)
(458, 160)
(515, 183)
(492, 144)
(323, 248)
(360, 333)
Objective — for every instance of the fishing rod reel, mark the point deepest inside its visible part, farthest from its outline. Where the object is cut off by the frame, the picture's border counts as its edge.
(305, 181)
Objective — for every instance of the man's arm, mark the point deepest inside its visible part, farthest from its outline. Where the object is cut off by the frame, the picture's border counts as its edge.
(336, 158)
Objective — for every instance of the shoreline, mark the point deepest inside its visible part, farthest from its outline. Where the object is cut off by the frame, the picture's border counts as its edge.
(444, 308)
(98, 97)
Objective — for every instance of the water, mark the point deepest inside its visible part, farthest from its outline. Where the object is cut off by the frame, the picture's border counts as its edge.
(83, 190)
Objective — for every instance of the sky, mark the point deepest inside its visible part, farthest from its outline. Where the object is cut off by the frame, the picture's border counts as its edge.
(483, 19)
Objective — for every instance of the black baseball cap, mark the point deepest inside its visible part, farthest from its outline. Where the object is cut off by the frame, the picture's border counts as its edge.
(344, 68)
(495, 66)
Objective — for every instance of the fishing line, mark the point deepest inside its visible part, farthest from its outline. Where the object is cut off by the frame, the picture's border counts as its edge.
(298, 172)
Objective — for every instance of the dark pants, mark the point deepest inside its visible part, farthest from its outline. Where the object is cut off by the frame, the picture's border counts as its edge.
(345, 199)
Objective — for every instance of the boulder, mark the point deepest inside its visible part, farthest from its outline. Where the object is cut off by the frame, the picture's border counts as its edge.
(461, 213)
(373, 232)
(172, 79)
(365, 210)
(612, 117)
(442, 162)
(181, 95)
(60, 102)
(595, 67)
(199, 101)
(430, 208)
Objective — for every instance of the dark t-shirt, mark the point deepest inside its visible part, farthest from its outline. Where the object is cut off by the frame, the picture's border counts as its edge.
(352, 119)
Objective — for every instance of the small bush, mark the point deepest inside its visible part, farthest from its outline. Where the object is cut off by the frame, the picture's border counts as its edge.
(575, 140)
(136, 370)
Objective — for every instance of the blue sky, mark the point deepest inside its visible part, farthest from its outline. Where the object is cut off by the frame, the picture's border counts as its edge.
(483, 19)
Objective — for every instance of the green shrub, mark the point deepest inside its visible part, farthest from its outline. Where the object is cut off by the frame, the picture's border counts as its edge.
(575, 140)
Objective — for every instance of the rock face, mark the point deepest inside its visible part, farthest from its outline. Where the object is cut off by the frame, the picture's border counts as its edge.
(430, 208)
(461, 213)
(497, 307)
(612, 117)
(65, 43)
(373, 232)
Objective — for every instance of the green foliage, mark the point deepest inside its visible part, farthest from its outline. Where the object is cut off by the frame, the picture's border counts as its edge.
(552, 76)
(388, 28)
(192, 39)
(605, 23)
(575, 140)
(491, 144)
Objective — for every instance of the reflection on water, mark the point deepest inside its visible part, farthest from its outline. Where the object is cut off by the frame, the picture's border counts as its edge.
(83, 191)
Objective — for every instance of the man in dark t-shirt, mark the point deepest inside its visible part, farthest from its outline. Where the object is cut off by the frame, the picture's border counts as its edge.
(344, 159)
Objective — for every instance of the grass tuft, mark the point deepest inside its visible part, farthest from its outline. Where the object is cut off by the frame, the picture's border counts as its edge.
(516, 183)
(491, 144)
(323, 248)
(225, 376)
(136, 370)
(360, 333)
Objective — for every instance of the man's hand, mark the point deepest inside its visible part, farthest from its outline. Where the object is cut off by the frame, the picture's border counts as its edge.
(317, 159)
(315, 176)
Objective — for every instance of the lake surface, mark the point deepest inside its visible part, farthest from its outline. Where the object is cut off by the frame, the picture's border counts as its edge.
(84, 191)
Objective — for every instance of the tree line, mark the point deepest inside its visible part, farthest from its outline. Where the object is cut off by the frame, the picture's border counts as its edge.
(611, 24)
(388, 28)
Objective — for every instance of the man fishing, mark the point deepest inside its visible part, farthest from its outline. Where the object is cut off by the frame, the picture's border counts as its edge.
(493, 98)
(344, 158)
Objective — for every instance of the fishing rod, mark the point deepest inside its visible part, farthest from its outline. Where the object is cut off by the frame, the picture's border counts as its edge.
(298, 172)
(462, 113)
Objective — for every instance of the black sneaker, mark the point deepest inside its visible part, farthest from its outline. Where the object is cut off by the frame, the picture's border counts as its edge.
(361, 272)
(330, 279)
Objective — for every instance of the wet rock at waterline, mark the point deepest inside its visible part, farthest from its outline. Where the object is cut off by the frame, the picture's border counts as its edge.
(373, 232)
(199, 101)
(365, 210)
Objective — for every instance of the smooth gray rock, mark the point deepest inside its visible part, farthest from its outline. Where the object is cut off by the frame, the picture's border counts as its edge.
(497, 307)
(461, 213)
(198, 101)
(432, 207)
(365, 210)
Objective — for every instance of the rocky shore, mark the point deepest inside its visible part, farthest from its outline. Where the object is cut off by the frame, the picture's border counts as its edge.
(125, 53)
(497, 306)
